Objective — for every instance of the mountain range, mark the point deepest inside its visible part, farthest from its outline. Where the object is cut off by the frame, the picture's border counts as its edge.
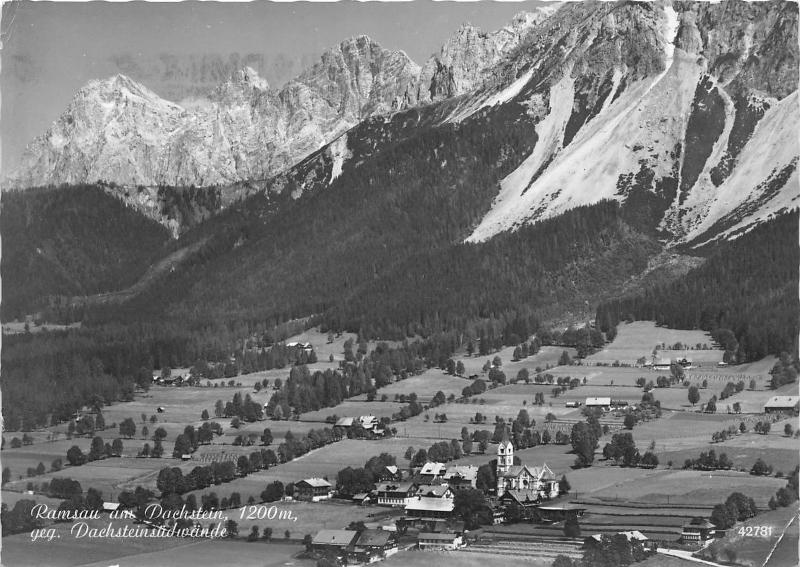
(576, 155)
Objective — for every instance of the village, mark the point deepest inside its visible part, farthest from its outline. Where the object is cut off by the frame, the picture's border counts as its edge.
(465, 476)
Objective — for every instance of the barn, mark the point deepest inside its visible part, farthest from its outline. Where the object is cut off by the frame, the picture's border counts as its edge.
(787, 404)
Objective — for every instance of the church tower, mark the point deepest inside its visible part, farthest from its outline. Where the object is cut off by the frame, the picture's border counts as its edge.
(505, 459)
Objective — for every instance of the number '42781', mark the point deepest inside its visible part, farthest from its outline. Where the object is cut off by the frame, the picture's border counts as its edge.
(755, 531)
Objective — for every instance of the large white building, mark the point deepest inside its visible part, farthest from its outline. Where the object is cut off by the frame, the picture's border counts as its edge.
(541, 480)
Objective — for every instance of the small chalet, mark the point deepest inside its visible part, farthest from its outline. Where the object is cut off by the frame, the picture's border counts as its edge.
(437, 541)
(390, 473)
(313, 489)
(395, 493)
(335, 542)
(432, 472)
(526, 499)
(461, 476)
(604, 403)
(372, 545)
(697, 530)
(362, 498)
(368, 422)
(787, 404)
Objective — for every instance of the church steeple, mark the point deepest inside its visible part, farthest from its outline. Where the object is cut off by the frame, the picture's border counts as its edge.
(505, 459)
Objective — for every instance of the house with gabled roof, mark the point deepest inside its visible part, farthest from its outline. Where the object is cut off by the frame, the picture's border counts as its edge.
(461, 476)
(788, 404)
(313, 489)
(395, 493)
(372, 545)
(431, 472)
(431, 502)
(335, 542)
(390, 473)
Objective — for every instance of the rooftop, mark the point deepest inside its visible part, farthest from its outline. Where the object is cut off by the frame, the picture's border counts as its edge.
(334, 537)
(316, 482)
(782, 402)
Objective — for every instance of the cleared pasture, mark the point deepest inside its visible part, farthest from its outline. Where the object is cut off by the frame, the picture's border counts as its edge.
(425, 385)
(217, 552)
(690, 487)
(323, 462)
(66, 550)
(753, 550)
(416, 558)
(353, 408)
(109, 476)
(639, 338)
(310, 517)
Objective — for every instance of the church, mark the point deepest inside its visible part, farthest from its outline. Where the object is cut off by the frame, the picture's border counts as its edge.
(537, 482)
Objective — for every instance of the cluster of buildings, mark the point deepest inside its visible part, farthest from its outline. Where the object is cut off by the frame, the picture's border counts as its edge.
(355, 547)
(369, 423)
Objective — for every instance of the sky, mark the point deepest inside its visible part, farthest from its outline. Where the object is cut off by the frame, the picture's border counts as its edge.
(181, 49)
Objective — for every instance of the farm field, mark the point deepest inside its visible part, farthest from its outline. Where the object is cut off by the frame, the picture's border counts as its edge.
(416, 558)
(638, 339)
(11, 498)
(351, 408)
(217, 552)
(682, 431)
(752, 550)
(323, 462)
(109, 476)
(425, 385)
(783, 460)
(66, 550)
(313, 516)
(688, 487)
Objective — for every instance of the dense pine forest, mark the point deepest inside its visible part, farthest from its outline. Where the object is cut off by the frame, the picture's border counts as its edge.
(747, 287)
(378, 251)
(74, 240)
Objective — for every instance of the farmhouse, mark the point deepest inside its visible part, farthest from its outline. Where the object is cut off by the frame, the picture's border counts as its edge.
(431, 502)
(335, 542)
(313, 489)
(697, 530)
(526, 500)
(395, 493)
(435, 541)
(432, 472)
(372, 545)
(368, 422)
(661, 363)
(390, 473)
(521, 477)
(604, 403)
(782, 404)
(461, 476)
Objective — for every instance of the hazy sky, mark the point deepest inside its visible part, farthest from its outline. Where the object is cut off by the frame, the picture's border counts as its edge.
(51, 49)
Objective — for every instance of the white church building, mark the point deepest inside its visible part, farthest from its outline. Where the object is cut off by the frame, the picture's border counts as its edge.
(540, 481)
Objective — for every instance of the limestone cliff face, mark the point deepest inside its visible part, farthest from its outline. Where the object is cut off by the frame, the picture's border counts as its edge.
(685, 111)
(119, 131)
(469, 57)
